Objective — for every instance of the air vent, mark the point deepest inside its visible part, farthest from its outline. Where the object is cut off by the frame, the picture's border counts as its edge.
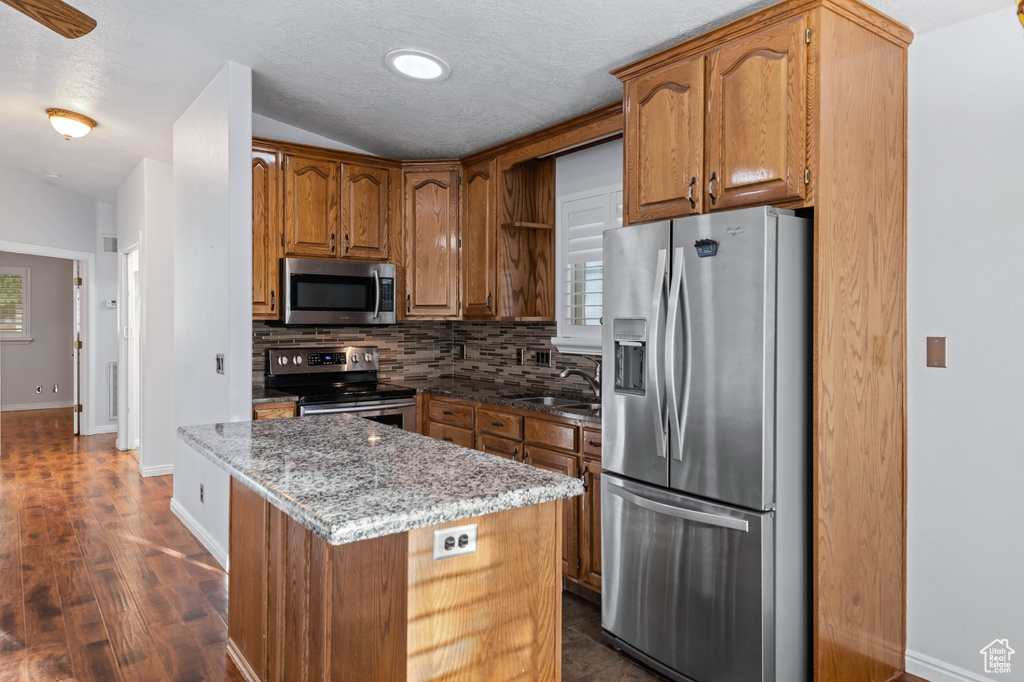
(109, 243)
(112, 390)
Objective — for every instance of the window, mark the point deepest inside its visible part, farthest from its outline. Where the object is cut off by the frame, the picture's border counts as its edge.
(14, 306)
(582, 219)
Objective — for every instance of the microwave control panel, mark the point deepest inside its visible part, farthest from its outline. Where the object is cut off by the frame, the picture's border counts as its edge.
(387, 294)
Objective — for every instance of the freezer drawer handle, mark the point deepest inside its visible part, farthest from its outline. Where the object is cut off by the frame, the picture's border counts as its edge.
(686, 514)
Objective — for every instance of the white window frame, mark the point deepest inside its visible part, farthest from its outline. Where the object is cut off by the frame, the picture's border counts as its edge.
(26, 294)
(577, 339)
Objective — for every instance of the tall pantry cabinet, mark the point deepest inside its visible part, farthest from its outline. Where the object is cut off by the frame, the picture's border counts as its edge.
(803, 105)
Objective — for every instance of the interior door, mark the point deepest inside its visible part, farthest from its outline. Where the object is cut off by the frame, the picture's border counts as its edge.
(688, 582)
(721, 365)
(757, 118)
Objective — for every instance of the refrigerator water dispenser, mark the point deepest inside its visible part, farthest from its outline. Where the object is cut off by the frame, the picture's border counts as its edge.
(630, 353)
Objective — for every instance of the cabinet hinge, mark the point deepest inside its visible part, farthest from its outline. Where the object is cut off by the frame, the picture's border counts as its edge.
(460, 180)
(78, 345)
(78, 281)
(579, 563)
(78, 408)
(807, 176)
(282, 241)
(807, 36)
(460, 242)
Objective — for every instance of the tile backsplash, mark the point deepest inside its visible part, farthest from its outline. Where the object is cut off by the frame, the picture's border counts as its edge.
(413, 350)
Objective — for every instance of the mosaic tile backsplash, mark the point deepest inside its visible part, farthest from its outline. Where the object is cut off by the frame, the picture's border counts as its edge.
(425, 350)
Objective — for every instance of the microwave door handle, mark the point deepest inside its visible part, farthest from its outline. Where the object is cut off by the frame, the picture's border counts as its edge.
(376, 300)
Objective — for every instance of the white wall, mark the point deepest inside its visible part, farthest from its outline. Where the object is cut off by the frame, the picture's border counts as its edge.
(276, 130)
(212, 287)
(47, 359)
(144, 219)
(38, 217)
(104, 319)
(965, 545)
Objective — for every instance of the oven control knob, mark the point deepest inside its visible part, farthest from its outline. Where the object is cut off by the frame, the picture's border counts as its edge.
(282, 360)
(297, 360)
(355, 359)
(368, 357)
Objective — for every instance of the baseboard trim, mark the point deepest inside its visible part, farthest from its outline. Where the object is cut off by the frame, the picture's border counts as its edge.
(934, 670)
(161, 470)
(35, 406)
(109, 428)
(211, 545)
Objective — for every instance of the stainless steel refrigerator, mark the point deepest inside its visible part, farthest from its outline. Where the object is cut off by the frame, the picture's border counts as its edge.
(706, 427)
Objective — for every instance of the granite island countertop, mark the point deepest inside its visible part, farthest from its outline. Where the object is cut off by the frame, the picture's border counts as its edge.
(348, 479)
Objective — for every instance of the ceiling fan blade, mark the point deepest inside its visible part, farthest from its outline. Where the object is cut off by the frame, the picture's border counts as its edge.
(55, 15)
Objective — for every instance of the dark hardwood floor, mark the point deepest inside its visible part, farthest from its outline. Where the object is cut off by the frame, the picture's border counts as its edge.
(98, 580)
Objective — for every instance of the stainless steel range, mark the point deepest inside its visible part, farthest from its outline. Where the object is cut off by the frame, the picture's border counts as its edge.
(341, 379)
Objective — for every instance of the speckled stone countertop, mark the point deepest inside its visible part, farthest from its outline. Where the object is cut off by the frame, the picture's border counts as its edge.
(269, 395)
(506, 396)
(347, 479)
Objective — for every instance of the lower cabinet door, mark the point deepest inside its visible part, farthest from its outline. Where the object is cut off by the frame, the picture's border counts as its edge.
(590, 524)
(502, 447)
(450, 434)
(568, 465)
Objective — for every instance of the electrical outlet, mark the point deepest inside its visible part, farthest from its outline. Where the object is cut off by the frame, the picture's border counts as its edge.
(56, 388)
(449, 542)
(521, 356)
(39, 389)
(202, 494)
(543, 357)
(220, 363)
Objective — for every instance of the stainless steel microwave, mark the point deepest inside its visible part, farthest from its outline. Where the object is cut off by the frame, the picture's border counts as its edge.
(326, 292)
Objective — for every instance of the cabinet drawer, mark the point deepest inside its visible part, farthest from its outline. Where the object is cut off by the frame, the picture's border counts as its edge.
(502, 447)
(592, 442)
(273, 410)
(551, 434)
(450, 434)
(500, 423)
(449, 412)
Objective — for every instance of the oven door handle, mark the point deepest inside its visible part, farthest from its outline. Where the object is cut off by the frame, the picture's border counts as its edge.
(376, 300)
(311, 409)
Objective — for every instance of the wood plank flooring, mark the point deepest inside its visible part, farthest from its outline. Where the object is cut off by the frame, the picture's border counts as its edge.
(98, 580)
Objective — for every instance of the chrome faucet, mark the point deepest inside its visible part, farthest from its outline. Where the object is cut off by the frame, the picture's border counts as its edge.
(594, 381)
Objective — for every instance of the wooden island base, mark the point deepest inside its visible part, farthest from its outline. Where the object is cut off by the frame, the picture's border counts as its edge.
(384, 609)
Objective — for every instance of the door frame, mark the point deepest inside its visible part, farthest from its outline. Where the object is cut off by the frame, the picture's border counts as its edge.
(87, 266)
(125, 377)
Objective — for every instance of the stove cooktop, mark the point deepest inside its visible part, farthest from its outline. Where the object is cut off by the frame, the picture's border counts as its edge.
(349, 393)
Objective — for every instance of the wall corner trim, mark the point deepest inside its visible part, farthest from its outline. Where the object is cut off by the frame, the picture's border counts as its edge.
(934, 670)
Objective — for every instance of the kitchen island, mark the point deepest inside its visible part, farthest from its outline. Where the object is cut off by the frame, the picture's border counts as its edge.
(332, 547)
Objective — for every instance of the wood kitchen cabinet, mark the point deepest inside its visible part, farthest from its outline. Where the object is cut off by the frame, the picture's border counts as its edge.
(740, 142)
(431, 226)
(563, 445)
(274, 410)
(366, 212)
(266, 232)
(479, 240)
(312, 189)
(664, 141)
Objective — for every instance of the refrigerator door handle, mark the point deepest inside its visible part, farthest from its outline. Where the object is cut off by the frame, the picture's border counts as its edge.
(678, 512)
(672, 326)
(654, 354)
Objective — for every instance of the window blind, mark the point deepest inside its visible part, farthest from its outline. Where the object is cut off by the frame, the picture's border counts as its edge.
(12, 303)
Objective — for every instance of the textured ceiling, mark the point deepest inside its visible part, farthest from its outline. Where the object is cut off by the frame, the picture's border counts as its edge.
(319, 65)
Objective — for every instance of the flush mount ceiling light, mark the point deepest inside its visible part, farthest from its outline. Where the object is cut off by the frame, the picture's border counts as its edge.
(70, 124)
(417, 65)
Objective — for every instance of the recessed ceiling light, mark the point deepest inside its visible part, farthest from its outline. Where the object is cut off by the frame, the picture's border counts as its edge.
(417, 65)
(51, 174)
(69, 123)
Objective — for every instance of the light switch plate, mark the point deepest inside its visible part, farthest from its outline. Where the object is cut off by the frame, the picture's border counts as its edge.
(220, 363)
(936, 351)
(449, 542)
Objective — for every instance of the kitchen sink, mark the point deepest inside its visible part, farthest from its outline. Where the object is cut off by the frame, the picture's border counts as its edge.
(550, 401)
(585, 406)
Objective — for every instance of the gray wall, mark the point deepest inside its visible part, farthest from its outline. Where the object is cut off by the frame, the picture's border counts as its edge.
(47, 359)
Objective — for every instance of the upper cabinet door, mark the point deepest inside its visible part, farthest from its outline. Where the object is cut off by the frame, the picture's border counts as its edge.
(266, 234)
(757, 118)
(479, 240)
(664, 141)
(311, 196)
(432, 243)
(366, 216)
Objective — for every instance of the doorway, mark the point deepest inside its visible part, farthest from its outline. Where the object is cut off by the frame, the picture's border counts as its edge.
(129, 423)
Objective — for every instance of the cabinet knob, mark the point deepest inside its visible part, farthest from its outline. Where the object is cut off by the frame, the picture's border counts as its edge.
(408, 299)
(488, 301)
(273, 301)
